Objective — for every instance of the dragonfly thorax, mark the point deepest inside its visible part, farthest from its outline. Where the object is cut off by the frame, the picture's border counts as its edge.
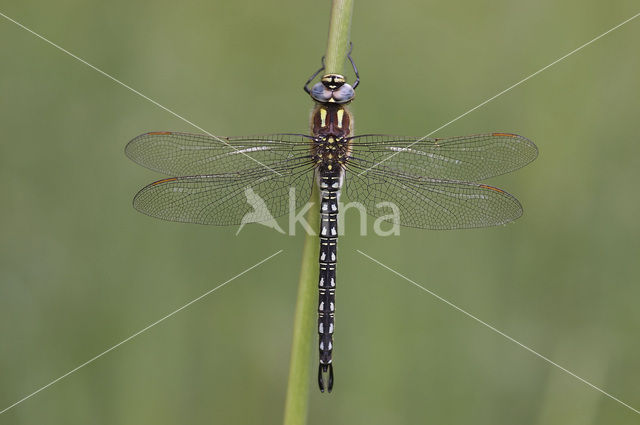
(332, 88)
(330, 153)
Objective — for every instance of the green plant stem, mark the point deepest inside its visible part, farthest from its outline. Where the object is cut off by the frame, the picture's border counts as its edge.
(295, 410)
(339, 31)
(297, 401)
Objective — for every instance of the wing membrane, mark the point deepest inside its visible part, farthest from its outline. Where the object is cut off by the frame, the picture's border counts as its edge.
(225, 199)
(468, 158)
(431, 203)
(174, 153)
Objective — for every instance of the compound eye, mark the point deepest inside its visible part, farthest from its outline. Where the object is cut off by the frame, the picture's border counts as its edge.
(344, 94)
(320, 93)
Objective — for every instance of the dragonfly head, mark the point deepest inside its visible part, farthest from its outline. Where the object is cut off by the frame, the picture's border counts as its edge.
(332, 88)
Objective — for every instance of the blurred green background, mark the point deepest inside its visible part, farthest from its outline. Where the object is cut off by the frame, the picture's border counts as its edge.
(80, 270)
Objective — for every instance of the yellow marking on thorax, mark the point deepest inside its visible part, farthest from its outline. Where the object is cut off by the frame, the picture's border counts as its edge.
(340, 117)
(323, 117)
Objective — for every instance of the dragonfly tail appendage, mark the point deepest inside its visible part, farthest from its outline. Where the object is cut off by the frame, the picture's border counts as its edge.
(322, 369)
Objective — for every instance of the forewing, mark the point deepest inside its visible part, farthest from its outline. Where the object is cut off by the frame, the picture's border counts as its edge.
(468, 158)
(227, 199)
(176, 153)
(431, 203)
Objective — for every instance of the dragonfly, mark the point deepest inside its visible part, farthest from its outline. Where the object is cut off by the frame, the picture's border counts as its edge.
(434, 183)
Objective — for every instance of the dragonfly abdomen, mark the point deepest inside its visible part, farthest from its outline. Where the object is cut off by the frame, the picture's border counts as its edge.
(329, 191)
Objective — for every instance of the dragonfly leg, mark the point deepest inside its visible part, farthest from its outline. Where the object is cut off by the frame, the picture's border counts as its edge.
(315, 74)
(353, 65)
(355, 70)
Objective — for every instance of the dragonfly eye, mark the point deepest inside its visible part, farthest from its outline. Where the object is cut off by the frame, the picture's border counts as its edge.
(344, 94)
(321, 93)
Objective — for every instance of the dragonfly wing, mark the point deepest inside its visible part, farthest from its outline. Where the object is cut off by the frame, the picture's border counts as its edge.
(430, 203)
(468, 158)
(226, 199)
(176, 153)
